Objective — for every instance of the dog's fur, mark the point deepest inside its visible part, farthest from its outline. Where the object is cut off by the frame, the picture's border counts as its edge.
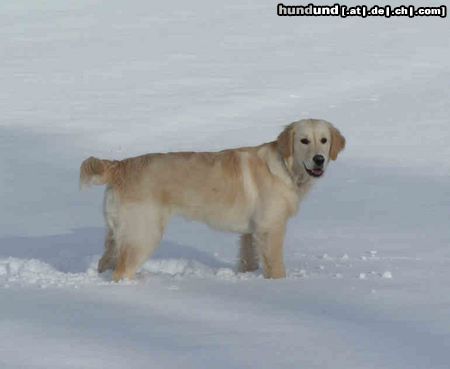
(251, 190)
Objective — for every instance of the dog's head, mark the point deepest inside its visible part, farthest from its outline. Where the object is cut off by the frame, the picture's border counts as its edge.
(308, 145)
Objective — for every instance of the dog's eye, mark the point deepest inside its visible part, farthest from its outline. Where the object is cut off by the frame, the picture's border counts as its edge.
(323, 140)
(304, 141)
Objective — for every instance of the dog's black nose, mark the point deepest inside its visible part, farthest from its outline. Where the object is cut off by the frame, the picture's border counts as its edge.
(319, 160)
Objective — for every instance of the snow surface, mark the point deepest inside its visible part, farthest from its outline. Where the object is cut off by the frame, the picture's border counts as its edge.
(368, 256)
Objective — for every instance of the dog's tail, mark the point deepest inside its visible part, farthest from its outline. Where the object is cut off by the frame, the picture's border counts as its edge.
(95, 171)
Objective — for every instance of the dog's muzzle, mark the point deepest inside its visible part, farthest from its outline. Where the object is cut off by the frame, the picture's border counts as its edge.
(315, 172)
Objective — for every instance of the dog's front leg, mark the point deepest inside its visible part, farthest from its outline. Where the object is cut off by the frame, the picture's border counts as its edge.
(270, 245)
(248, 257)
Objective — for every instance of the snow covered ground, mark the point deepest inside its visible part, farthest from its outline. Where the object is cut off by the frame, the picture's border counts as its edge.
(368, 256)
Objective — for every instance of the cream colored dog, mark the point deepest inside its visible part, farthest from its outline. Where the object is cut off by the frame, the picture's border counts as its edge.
(251, 190)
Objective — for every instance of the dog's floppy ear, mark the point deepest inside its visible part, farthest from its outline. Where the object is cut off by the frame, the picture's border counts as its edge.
(337, 142)
(285, 142)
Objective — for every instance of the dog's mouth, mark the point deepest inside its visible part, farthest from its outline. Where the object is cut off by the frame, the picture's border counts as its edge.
(315, 172)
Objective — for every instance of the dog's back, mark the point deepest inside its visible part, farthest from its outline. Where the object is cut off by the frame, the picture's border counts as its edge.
(217, 188)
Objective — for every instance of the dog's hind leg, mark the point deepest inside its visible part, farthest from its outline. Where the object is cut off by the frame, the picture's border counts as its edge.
(132, 254)
(108, 260)
(138, 238)
(131, 257)
(110, 212)
(248, 254)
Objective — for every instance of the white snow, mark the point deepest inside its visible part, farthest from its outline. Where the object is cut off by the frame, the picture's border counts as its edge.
(116, 79)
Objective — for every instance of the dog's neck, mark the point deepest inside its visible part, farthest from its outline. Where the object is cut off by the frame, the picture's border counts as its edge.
(298, 176)
(301, 180)
(287, 171)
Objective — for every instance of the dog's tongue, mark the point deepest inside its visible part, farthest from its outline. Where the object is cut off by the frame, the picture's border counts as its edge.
(317, 171)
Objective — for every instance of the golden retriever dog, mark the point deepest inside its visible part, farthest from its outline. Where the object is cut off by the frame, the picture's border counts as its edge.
(250, 190)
